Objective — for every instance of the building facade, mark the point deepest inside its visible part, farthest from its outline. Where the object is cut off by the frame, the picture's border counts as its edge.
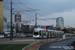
(5, 19)
(1, 16)
(18, 17)
(7, 27)
(60, 22)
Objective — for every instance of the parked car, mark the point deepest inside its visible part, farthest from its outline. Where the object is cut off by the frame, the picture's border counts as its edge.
(1, 36)
(29, 35)
(8, 35)
(21, 35)
(14, 35)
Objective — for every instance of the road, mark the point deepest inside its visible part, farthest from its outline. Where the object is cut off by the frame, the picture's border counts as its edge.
(16, 38)
(26, 40)
(59, 45)
(22, 41)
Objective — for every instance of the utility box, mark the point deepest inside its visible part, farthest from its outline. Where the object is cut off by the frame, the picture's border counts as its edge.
(63, 36)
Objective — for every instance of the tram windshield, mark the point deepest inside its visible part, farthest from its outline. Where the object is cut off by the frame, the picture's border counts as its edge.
(35, 32)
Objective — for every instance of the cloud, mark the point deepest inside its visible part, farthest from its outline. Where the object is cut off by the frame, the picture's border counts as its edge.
(46, 6)
(50, 9)
(69, 18)
(50, 6)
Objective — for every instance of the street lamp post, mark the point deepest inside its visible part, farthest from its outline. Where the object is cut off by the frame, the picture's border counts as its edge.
(36, 20)
(11, 32)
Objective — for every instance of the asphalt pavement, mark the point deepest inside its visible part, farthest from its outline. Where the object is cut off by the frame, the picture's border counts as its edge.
(59, 45)
(23, 40)
(26, 40)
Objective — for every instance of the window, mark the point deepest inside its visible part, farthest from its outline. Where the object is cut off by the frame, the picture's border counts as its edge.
(35, 33)
(49, 33)
(44, 32)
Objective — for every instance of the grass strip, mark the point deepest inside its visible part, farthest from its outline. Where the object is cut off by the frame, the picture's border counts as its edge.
(12, 46)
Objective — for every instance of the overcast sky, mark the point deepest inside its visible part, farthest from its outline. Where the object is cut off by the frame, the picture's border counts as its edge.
(48, 9)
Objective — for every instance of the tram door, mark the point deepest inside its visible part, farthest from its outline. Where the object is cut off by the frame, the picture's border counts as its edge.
(53, 34)
(49, 34)
(40, 34)
(44, 35)
(56, 34)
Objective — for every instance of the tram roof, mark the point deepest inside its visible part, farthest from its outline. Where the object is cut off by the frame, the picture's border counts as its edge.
(38, 29)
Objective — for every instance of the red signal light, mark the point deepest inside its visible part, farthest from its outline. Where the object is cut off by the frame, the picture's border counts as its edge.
(46, 29)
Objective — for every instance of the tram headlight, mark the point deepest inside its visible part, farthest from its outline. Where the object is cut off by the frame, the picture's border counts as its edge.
(38, 35)
(33, 35)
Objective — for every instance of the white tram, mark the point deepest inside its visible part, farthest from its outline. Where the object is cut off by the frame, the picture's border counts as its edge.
(43, 33)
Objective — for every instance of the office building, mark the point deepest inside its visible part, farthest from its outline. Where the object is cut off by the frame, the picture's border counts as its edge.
(60, 22)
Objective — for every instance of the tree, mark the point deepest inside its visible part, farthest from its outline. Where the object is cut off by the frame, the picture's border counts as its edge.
(17, 28)
(31, 31)
(58, 28)
(24, 30)
(65, 30)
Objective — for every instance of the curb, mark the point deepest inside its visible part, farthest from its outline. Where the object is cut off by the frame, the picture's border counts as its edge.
(72, 47)
(30, 44)
(46, 43)
(33, 43)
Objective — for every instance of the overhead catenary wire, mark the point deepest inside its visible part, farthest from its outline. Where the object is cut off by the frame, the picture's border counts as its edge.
(16, 8)
(21, 9)
(25, 5)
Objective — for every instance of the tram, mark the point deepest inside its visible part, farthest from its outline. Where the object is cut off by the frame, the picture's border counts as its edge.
(46, 33)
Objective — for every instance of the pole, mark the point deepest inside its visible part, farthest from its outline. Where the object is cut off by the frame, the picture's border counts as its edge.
(35, 20)
(11, 33)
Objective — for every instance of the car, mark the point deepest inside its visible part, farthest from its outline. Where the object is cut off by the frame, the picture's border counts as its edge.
(29, 35)
(1, 36)
(14, 35)
(8, 35)
(21, 35)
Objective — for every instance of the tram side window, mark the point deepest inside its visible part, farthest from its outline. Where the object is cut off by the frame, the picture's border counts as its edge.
(53, 33)
(49, 33)
(44, 32)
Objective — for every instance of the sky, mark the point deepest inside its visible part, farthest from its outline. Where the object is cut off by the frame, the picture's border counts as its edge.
(48, 9)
